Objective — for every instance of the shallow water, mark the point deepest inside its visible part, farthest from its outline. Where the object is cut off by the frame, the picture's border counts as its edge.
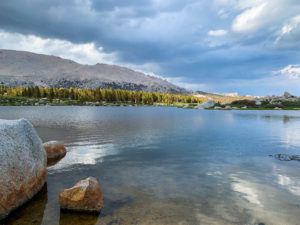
(160, 165)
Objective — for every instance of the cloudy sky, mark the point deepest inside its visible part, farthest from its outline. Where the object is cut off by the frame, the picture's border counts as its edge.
(245, 46)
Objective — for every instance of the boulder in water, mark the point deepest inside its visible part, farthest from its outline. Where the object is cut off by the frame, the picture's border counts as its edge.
(84, 196)
(55, 151)
(286, 157)
(22, 165)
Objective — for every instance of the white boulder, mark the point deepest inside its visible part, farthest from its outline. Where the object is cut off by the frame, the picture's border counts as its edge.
(258, 102)
(23, 164)
(205, 105)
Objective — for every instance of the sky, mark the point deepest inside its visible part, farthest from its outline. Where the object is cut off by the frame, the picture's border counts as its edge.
(222, 46)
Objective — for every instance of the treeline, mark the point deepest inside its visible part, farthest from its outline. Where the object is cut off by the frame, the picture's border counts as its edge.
(98, 95)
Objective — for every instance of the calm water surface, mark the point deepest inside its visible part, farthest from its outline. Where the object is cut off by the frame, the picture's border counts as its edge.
(159, 165)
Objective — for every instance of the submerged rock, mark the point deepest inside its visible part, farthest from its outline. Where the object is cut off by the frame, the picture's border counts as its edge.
(84, 196)
(205, 105)
(55, 151)
(286, 157)
(22, 165)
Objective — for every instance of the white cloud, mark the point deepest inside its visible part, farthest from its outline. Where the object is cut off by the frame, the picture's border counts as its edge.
(86, 53)
(293, 23)
(217, 38)
(217, 33)
(250, 20)
(269, 19)
(147, 68)
(289, 34)
(290, 71)
(182, 82)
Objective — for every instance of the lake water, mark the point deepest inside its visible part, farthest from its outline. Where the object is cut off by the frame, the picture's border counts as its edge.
(161, 165)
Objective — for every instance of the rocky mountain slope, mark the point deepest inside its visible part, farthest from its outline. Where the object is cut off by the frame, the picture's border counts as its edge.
(221, 97)
(19, 68)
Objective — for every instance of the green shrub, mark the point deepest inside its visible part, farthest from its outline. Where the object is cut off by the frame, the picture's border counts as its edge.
(243, 102)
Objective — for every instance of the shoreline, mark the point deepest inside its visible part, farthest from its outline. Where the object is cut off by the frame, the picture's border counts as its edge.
(154, 105)
(25, 101)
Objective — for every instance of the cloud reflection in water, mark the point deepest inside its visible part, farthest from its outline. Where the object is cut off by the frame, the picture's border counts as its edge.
(84, 153)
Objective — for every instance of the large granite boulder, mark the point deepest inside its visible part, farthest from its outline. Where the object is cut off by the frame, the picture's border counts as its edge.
(84, 196)
(55, 151)
(205, 105)
(23, 164)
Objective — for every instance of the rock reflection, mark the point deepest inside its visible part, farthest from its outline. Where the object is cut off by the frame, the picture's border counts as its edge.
(32, 212)
(52, 162)
(286, 119)
(74, 218)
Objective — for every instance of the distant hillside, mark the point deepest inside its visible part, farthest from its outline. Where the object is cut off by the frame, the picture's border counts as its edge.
(19, 68)
(221, 97)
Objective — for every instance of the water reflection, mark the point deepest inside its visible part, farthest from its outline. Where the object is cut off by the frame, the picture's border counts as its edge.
(290, 135)
(84, 153)
(71, 218)
(172, 166)
(287, 178)
(292, 185)
(247, 190)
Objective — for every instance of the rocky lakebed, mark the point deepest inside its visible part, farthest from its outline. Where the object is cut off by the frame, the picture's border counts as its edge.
(23, 166)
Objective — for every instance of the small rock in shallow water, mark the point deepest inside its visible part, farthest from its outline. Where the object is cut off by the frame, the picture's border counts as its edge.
(286, 157)
(55, 150)
(84, 196)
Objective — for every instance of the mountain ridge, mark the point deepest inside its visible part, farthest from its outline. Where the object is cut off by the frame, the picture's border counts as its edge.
(22, 68)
